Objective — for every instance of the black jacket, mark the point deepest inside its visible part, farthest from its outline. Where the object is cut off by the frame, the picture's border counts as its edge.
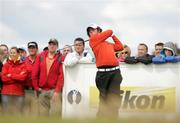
(147, 59)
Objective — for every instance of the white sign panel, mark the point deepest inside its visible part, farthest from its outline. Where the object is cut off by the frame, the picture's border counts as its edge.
(144, 89)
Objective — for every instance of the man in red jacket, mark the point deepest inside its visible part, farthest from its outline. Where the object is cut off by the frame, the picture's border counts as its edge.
(108, 77)
(30, 101)
(47, 77)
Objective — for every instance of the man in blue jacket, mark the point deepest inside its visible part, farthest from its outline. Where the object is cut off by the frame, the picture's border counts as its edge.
(168, 54)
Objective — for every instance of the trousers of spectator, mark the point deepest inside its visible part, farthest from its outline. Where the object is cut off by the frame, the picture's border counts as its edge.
(49, 107)
(31, 103)
(108, 84)
(12, 104)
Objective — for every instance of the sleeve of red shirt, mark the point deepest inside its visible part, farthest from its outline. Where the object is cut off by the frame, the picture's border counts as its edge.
(4, 74)
(60, 81)
(101, 37)
(35, 73)
(20, 76)
(118, 45)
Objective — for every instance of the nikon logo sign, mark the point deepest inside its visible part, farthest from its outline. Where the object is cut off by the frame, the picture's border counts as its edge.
(141, 99)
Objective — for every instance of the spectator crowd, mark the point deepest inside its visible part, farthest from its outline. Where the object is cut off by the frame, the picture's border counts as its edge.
(31, 82)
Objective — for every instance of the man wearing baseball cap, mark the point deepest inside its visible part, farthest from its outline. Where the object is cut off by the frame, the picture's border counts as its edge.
(32, 45)
(30, 102)
(108, 76)
(53, 41)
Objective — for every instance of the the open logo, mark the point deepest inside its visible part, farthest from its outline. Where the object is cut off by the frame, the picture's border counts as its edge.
(74, 97)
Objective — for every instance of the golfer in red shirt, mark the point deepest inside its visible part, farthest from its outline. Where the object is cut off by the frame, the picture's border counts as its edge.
(108, 76)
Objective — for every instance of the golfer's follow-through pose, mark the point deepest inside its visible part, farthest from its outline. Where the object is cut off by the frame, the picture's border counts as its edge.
(108, 76)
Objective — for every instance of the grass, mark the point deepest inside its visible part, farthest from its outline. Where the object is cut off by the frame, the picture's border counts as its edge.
(30, 119)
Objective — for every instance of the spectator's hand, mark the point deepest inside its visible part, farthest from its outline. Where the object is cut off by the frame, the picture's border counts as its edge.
(22, 72)
(55, 96)
(8, 75)
(40, 90)
(36, 94)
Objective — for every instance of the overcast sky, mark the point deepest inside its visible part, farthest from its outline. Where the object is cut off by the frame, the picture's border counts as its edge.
(133, 21)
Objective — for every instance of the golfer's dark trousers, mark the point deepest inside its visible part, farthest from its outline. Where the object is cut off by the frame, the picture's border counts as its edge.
(108, 84)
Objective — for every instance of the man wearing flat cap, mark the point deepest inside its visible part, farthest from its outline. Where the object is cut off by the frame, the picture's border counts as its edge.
(48, 79)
